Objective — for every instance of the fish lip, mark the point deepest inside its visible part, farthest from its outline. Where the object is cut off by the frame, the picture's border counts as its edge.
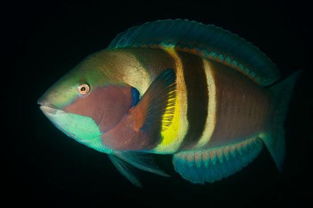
(47, 109)
(42, 101)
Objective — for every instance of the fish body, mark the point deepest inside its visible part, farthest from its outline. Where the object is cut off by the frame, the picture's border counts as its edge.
(174, 87)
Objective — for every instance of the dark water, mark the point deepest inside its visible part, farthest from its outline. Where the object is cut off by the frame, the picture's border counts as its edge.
(45, 167)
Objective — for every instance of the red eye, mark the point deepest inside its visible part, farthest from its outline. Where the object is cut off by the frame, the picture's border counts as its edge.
(83, 89)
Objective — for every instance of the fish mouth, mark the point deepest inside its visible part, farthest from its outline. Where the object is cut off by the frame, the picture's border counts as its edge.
(48, 110)
(46, 107)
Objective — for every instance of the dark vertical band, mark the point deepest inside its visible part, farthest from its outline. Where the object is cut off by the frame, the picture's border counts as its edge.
(197, 97)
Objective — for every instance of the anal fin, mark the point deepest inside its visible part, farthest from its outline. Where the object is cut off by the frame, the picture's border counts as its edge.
(214, 164)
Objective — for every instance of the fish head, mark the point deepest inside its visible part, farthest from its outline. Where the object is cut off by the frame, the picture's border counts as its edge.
(85, 103)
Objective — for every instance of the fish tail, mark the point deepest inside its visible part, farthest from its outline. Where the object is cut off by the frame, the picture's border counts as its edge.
(274, 139)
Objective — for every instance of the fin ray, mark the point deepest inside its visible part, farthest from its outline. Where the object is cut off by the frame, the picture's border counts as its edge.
(123, 161)
(275, 138)
(215, 163)
(141, 161)
(157, 102)
(125, 170)
(140, 128)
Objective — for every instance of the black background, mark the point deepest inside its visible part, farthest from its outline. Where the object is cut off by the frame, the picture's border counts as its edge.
(43, 40)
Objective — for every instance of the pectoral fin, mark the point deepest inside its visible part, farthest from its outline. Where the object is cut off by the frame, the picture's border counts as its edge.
(125, 161)
(140, 128)
(159, 97)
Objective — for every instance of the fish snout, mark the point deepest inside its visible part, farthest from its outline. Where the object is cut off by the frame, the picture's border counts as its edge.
(41, 101)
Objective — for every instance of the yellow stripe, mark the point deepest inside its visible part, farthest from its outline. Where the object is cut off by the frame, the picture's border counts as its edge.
(173, 135)
(211, 118)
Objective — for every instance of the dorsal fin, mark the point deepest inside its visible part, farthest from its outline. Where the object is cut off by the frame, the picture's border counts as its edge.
(209, 41)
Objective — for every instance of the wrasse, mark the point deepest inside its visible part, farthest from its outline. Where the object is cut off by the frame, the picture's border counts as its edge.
(195, 91)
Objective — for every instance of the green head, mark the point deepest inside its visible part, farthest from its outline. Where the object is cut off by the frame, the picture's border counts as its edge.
(87, 102)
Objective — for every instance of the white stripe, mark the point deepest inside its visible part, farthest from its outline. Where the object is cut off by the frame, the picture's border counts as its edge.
(211, 117)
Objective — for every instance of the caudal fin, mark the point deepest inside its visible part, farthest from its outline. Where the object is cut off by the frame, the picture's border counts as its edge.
(274, 139)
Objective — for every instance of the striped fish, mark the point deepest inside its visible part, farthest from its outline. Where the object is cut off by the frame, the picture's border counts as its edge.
(177, 87)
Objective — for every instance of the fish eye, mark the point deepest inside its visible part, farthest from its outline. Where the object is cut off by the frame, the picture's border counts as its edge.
(83, 89)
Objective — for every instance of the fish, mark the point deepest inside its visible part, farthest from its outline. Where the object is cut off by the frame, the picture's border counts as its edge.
(197, 92)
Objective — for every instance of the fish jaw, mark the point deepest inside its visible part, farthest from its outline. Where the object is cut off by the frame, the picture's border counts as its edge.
(83, 129)
(48, 110)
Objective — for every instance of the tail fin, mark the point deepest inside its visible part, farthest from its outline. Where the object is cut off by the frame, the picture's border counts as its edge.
(275, 138)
